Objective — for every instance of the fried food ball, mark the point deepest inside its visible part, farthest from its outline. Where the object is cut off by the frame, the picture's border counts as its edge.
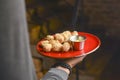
(59, 37)
(56, 46)
(58, 42)
(47, 47)
(49, 37)
(74, 33)
(68, 33)
(44, 42)
(66, 46)
(53, 41)
(66, 37)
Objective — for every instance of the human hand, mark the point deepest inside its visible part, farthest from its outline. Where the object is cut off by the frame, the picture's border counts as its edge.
(74, 61)
(71, 62)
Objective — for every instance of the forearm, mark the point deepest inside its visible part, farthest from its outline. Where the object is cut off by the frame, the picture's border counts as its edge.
(62, 70)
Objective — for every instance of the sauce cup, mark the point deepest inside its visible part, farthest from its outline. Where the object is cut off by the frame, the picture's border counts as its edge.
(78, 42)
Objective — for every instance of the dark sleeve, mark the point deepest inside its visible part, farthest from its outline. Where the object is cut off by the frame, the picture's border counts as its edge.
(55, 74)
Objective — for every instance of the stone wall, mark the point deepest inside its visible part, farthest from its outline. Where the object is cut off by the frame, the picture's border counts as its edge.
(105, 14)
(52, 15)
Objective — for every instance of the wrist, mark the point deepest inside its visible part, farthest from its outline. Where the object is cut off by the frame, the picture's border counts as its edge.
(63, 66)
(64, 69)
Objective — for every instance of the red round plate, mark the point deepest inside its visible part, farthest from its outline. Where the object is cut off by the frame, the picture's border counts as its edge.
(92, 43)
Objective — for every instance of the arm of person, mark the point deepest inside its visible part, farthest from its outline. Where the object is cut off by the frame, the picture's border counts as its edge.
(58, 73)
(61, 72)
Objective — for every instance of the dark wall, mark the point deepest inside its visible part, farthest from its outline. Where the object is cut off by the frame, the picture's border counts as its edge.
(100, 17)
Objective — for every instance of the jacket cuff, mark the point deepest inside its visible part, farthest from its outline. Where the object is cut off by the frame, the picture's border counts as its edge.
(60, 73)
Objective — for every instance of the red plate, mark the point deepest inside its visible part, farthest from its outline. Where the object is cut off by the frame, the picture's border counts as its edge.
(92, 43)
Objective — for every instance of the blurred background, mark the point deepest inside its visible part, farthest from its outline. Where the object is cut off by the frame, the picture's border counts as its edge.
(99, 17)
